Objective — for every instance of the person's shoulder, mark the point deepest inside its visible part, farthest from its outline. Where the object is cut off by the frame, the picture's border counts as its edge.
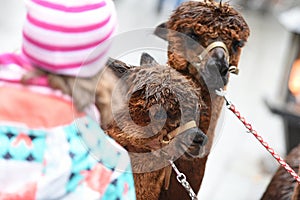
(36, 106)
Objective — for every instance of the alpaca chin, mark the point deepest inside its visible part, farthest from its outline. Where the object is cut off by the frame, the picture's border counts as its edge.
(213, 79)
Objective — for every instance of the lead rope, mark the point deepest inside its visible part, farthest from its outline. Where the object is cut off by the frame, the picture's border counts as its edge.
(248, 126)
(181, 178)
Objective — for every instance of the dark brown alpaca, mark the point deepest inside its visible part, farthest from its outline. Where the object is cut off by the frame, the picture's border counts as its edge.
(204, 23)
(158, 100)
(283, 186)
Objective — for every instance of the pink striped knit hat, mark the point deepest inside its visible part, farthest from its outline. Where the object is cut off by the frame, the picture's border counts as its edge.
(69, 37)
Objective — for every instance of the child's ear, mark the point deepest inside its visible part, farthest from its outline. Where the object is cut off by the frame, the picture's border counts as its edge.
(147, 60)
(118, 67)
(162, 31)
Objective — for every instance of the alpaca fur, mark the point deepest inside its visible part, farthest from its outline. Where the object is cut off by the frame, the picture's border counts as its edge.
(157, 105)
(283, 186)
(204, 22)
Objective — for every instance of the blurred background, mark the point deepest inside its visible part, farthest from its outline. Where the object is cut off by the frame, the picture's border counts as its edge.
(238, 166)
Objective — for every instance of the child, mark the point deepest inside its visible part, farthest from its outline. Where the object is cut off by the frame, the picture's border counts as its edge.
(49, 148)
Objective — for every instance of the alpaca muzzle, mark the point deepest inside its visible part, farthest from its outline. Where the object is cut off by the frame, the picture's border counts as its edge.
(219, 44)
(213, 46)
(200, 138)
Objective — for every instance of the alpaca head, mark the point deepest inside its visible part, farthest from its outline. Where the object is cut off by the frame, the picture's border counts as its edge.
(160, 104)
(203, 23)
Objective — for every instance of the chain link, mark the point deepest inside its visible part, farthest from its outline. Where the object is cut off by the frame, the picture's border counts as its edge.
(181, 178)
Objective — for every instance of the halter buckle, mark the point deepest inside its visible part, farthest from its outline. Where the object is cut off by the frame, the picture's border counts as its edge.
(234, 70)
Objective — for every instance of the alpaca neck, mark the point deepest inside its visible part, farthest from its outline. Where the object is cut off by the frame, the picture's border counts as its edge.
(296, 192)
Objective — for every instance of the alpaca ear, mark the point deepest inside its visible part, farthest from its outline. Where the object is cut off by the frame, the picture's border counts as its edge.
(118, 67)
(147, 60)
(161, 31)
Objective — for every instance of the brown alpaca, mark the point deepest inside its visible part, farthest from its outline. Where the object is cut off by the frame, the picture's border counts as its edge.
(283, 186)
(204, 23)
(159, 100)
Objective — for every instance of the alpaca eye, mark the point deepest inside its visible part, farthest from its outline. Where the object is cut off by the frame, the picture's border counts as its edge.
(192, 40)
(236, 44)
(193, 36)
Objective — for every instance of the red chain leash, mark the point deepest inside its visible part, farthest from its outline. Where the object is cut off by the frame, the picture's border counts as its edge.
(233, 109)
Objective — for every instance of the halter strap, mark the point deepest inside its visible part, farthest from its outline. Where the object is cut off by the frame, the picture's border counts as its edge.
(167, 140)
(211, 47)
(171, 135)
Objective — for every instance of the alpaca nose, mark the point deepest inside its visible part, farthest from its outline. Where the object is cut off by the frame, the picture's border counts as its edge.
(218, 61)
(221, 62)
